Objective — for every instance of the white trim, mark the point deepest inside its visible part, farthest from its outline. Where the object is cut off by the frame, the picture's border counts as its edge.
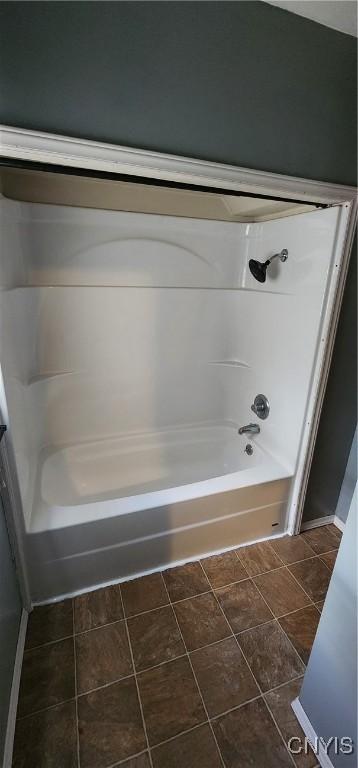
(311, 734)
(339, 523)
(317, 522)
(41, 147)
(343, 246)
(159, 569)
(11, 720)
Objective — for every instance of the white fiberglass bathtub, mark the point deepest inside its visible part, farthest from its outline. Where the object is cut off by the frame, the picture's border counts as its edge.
(92, 480)
(114, 504)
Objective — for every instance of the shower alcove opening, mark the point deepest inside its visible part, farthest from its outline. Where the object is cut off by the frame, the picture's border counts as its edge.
(134, 340)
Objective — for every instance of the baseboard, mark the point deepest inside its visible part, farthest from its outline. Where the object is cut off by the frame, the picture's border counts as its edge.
(311, 734)
(11, 720)
(339, 523)
(317, 522)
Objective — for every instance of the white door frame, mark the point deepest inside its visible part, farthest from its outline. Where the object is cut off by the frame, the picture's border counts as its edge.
(35, 146)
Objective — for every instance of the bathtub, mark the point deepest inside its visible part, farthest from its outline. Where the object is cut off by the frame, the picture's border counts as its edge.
(123, 506)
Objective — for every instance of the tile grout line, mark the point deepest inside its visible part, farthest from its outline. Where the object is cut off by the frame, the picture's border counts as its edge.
(49, 642)
(279, 731)
(306, 593)
(45, 709)
(264, 696)
(299, 585)
(127, 759)
(193, 673)
(136, 681)
(182, 733)
(105, 685)
(76, 691)
(262, 693)
(238, 644)
(285, 633)
(324, 563)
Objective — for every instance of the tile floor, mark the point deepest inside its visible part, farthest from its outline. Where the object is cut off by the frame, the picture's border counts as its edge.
(195, 667)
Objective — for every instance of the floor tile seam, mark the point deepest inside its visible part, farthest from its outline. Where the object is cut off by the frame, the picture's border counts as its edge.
(47, 643)
(195, 678)
(285, 633)
(144, 725)
(282, 685)
(117, 680)
(325, 551)
(300, 585)
(297, 582)
(76, 690)
(223, 555)
(238, 644)
(223, 586)
(177, 735)
(149, 610)
(309, 547)
(125, 759)
(238, 706)
(265, 541)
(291, 574)
(100, 626)
(324, 563)
(256, 626)
(296, 610)
(45, 709)
(279, 731)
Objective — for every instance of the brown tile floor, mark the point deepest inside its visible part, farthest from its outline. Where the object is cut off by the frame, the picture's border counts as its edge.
(192, 668)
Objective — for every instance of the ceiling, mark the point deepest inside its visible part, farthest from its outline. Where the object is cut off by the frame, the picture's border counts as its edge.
(337, 14)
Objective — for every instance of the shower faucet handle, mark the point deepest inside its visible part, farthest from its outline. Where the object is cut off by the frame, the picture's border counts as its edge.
(261, 406)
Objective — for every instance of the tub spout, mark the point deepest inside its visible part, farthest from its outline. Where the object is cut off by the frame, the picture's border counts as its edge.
(253, 429)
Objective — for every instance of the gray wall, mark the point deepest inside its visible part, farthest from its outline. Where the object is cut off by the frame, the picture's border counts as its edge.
(237, 82)
(329, 691)
(349, 483)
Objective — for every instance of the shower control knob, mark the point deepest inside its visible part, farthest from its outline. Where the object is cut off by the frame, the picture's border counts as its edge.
(261, 406)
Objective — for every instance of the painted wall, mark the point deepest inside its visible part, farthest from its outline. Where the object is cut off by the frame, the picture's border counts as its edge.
(349, 483)
(329, 691)
(237, 82)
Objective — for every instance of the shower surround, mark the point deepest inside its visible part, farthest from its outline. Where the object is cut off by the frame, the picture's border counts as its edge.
(132, 348)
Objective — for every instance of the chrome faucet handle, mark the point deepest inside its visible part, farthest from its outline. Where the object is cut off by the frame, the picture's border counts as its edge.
(261, 406)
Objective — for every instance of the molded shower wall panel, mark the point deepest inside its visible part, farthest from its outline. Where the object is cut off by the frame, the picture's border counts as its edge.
(17, 347)
(283, 332)
(81, 246)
